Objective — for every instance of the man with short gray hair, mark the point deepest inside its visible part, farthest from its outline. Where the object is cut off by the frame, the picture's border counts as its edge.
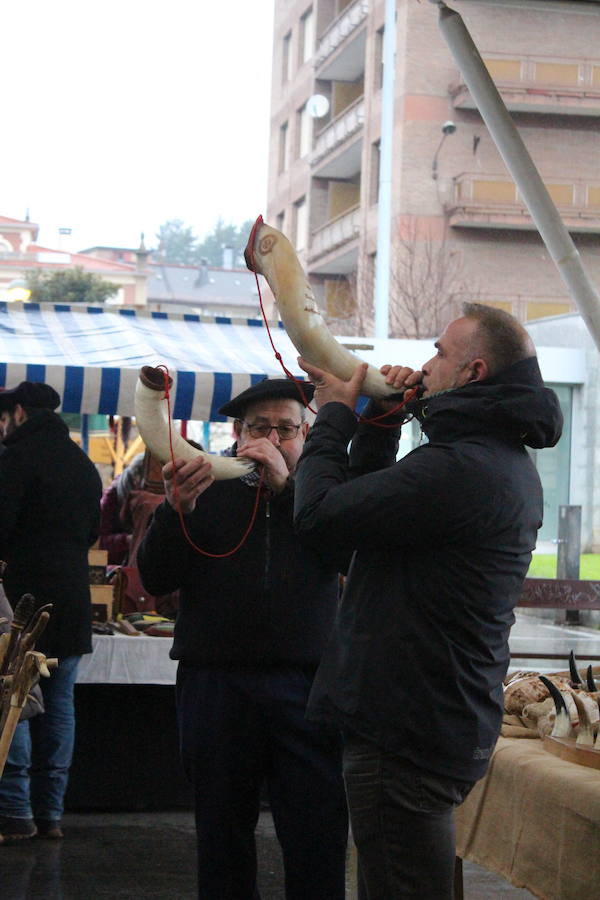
(443, 539)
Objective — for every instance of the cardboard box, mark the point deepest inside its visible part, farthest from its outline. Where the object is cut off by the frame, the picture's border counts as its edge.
(97, 562)
(102, 602)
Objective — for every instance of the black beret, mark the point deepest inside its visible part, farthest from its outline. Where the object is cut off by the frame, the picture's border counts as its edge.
(32, 394)
(268, 389)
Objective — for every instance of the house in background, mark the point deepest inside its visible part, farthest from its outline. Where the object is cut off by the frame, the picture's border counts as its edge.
(203, 290)
(19, 253)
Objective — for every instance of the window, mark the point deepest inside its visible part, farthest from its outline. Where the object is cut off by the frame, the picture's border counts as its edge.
(375, 165)
(303, 132)
(378, 60)
(283, 147)
(307, 37)
(301, 224)
(280, 221)
(286, 61)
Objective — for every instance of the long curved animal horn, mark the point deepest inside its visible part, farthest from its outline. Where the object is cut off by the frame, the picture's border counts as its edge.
(591, 683)
(575, 676)
(269, 253)
(153, 425)
(562, 725)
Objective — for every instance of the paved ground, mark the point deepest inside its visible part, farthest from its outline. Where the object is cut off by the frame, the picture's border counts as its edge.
(151, 855)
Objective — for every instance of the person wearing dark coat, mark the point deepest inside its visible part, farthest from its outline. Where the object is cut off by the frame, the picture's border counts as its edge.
(443, 538)
(49, 514)
(249, 634)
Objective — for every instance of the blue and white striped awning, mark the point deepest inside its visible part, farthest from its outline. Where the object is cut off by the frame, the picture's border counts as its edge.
(92, 355)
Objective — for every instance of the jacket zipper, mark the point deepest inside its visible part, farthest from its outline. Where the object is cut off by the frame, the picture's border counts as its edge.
(267, 543)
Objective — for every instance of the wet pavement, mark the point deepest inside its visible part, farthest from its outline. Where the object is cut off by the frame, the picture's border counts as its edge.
(533, 635)
(152, 855)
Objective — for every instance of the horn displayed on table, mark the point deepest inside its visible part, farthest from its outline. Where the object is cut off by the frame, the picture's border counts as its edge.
(591, 683)
(562, 725)
(576, 679)
(269, 253)
(153, 425)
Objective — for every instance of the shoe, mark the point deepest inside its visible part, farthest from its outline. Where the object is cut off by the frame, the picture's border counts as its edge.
(49, 829)
(12, 829)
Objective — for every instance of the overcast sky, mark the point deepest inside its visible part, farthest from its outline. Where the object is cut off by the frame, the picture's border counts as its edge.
(120, 115)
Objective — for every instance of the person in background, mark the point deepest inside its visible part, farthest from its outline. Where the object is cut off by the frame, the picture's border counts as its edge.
(443, 538)
(249, 634)
(115, 528)
(49, 515)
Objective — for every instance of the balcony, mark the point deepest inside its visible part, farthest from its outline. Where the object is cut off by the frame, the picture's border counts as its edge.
(335, 135)
(334, 246)
(340, 52)
(536, 85)
(494, 202)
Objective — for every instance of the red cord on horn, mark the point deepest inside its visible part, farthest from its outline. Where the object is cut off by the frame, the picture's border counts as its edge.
(176, 489)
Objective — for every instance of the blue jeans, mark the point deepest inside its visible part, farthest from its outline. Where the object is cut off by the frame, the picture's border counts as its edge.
(240, 729)
(402, 824)
(36, 774)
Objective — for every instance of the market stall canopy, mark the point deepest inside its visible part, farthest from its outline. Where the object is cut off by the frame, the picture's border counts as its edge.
(92, 355)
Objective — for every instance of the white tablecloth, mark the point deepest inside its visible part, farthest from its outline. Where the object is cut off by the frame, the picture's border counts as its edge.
(119, 659)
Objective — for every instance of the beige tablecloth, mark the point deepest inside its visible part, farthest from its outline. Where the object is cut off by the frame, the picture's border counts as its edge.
(535, 820)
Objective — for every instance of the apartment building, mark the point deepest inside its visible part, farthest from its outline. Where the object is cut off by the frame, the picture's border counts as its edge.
(460, 230)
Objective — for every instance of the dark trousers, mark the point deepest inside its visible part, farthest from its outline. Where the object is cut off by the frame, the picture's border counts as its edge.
(402, 824)
(240, 729)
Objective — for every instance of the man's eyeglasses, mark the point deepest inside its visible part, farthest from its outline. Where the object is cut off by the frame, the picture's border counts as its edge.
(259, 430)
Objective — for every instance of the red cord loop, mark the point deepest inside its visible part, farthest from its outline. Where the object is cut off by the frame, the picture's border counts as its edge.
(374, 421)
(176, 489)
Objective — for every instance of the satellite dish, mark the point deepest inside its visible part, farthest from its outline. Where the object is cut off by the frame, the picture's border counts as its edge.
(317, 106)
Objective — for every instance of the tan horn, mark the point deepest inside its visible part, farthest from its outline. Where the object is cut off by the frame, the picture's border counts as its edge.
(269, 253)
(153, 425)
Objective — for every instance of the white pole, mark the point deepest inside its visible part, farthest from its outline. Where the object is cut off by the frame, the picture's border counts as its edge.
(520, 165)
(384, 210)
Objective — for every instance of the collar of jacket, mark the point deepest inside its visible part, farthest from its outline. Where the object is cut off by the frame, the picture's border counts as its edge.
(513, 405)
(44, 419)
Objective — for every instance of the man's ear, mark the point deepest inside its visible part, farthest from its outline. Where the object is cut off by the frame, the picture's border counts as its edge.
(479, 370)
(19, 414)
(237, 427)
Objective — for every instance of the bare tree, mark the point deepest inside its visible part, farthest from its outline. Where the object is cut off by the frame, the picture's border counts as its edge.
(426, 282)
(427, 285)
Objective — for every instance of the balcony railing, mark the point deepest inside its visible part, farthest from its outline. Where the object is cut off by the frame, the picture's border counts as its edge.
(347, 22)
(536, 84)
(335, 233)
(494, 202)
(348, 123)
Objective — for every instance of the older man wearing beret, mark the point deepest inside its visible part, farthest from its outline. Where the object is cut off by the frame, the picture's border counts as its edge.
(249, 635)
(49, 513)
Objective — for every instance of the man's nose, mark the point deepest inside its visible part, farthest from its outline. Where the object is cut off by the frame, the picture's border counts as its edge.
(274, 437)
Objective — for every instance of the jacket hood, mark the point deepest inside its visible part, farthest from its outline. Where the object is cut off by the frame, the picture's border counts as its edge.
(513, 404)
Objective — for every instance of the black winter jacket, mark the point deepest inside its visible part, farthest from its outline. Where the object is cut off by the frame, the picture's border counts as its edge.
(49, 514)
(444, 539)
(271, 603)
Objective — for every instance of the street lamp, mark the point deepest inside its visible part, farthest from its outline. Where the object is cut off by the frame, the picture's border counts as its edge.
(17, 291)
(447, 128)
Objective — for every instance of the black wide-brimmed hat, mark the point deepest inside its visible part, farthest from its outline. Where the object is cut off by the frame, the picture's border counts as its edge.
(31, 394)
(268, 389)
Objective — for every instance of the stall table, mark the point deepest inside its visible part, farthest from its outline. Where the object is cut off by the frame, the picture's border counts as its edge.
(126, 747)
(535, 820)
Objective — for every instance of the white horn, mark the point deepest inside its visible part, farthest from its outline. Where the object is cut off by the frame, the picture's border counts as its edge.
(153, 426)
(269, 253)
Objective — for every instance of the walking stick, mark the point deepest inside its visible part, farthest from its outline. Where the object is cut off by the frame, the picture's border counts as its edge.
(32, 665)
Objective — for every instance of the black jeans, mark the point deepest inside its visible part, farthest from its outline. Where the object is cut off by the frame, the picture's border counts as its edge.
(240, 729)
(402, 823)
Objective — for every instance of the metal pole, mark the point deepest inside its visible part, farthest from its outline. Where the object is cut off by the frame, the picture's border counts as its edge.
(384, 209)
(521, 167)
(569, 550)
